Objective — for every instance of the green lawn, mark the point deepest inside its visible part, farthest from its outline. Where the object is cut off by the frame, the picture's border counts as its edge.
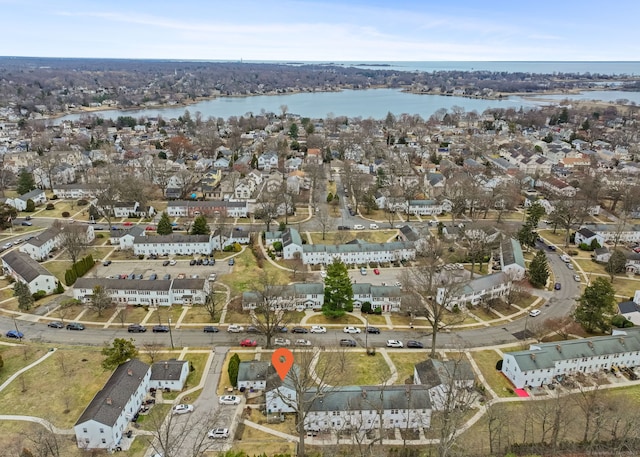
(58, 268)
(198, 361)
(246, 274)
(347, 319)
(486, 361)
(224, 374)
(355, 368)
(17, 357)
(198, 315)
(406, 361)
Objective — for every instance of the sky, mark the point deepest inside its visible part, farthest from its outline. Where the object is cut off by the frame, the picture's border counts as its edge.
(323, 30)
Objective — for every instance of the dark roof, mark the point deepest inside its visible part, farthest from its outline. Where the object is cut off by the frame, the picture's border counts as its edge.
(586, 232)
(44, 237)
(173, 238)
(358, 398)
(254, 370)
(512, 253)
(433, 373)
(409, 233)
(167, 370)
(25, 266)
(627, 307)
(108, 404)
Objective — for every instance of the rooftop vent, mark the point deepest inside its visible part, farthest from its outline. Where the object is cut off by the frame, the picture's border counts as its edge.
(130, 372)
(533, 356)
(559, 348)
(109, 401)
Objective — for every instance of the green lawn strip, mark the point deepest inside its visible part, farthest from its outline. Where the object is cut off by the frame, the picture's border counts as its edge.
(355, 368)
(321, 319)
(405, 362)
(59, 388)
(375, 319)
(486, 361)
(198, 315)
(58, 268)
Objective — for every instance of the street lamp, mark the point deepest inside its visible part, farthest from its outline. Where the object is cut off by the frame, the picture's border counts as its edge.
(366, 333)
(15, 324)
(171, 335)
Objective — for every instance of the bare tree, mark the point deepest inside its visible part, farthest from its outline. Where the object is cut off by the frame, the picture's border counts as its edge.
(213, 303)
(100, 300)
(267, 208)
(73, 238)
(152, 350)
(325, 221)
(108, 192)
(272, 307)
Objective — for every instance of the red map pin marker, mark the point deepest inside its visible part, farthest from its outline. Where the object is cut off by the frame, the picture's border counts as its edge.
(282, 361)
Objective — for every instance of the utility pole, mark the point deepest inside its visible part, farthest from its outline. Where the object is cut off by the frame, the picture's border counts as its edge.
(171, 335)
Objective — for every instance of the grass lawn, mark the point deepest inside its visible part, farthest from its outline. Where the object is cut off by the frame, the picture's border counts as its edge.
(60, 207)
(405, 362)
(253, 441)
(321, 319)
(224, 375)
(372, 236)
(405, 320)
(486, 361)
(75, 375)
(246, 273)
(92, 316)
(162, 316)
(554, 238)
(132, 315)
(17, 357)
(69, 313)
(375, 319)
(198, 361)
(237, 317)
(483, 314)
(198, 315)
(57, 268)
(150, 421)
(476, 269)
(357, 368)
(590, 266)
(625, 287)
(18, 435)
(6, 293)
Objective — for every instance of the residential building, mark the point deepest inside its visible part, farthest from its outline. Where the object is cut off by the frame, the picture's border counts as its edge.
(475, 291)
(615, 232)
(40, 246)
(140, 292)
(297, 296)
(587, 236)
(169, 374)
(440, 377)
(37, 195)
(23, 268)
(512, 259)
(174, 244)
(385, 298)
(253, 374)
(544, 363)
(192, 208)
(103, 422)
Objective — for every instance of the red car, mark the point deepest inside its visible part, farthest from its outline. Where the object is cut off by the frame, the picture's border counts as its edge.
(128, 224)
(150, 228)
(376, 271)
(248, 343)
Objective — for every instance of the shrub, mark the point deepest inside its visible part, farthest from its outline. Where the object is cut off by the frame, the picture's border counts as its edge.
(620, 321)
(366, 307)
(377, 311)
(140, 256)
(65, 214)
(54, 197)
(82, 202)
(31, 206)
(39, 294)
(50, 206)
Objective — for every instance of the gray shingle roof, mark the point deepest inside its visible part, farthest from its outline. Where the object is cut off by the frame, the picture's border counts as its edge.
(108, 404)
(512, 253)
(25, 266)
(171, 239)
(44, 237)
(357, 398)
(167, 370)
(433, 373)
(254, 371)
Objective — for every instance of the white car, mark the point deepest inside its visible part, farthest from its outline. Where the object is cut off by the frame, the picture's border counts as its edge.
(303, 343)
(235, 328)
(576, 278)
(172, 262)
(229, 400)
(282, 342)
(358, 227)
(218, 433)
(182, 409)
(351, 330)
(318, 329)
(323, 274)
(534, 312)
(394, 344)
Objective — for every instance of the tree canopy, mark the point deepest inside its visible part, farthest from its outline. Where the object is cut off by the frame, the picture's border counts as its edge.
(25, 299)
(596, 305)
(164, 225)
(26, 182)
(539, 270)
(338, 291)
(200, 226)
(118, 352)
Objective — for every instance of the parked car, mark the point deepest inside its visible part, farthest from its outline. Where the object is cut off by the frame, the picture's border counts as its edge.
(552, 247)
(363, 271)
(376, 271)
(373, 227)
(372, 330)
(27, 223)
(358, 226)
(394, 344)
(318, 329)
(153, 277)
(570, 266)
(212, 277)
(106, 263)
(137, 328)
(55, 324)
(160, 329)
(182, 409)
(167, 276)
(14, 334)
(415, 344)
(192, 262)
(75, 326)
(253, 329)
(232, 262)
(199, 262)
(557, 286)
(282, 342)
(343, 227)
(210, 329)
(166, 263)
(247, 343)
(299, 330)
(348, 343)
(172, 262)
(282, 329)
(534, 312)
(351, 330)
(218, 433)
(235, 328)
(302, 342)
(576, 278)
(229, 400)
(139, 276)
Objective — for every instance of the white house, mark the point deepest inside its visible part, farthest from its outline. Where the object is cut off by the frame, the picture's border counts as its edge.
(253, 374)
(74, 191)
(173, 244)
(544, 363)
(587, 236)
(104, 421)
(612, 232)
(473, 292)
(37, 195)
(267, 161)
(124, 237)
(280, 395)
(441, 376)
(169, 374)
(161, 292)
(23, 268)
(512, 259)
(385, 298)
(192, 208)
(40, 246)
(298, 296)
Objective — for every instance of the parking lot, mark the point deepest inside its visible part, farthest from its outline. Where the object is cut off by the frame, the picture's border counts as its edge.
(148, 267)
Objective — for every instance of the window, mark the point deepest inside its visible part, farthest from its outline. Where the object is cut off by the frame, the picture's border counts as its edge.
(104, 441)
(101, 430)
(84, 430)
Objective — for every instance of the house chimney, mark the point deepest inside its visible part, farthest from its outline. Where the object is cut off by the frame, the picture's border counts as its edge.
(559, 348)
(109, 400)
(533, 357)
(166, 365)
(590, 343)
(621, 339)
(130, 372)
(364, 393)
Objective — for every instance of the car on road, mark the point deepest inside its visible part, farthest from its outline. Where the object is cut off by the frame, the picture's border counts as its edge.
(557, 286)
(247, 343)
(394, 344)
(282, 342)
(192, 262)
(235, 328)
(253, 329)
(231, 262)
(160, 329)
(299, 330)
(14, 334)
(55, 324)
(282, 329)
(229, 400)
(351, 330)
(128, 224)
(415, 344)
(172, 262)
(27, 223)
(182, 409)
(343, 227)
(166, 263)
(534, 312)
(150, 228)
(348, 343)
(363, 271)
(302, 342)
(212, 277)
(372, 330)
(576, 278)
(570, 266)
(106, 263)
(358, 226)
(137, 328)
(210, 329)
(75, 326)
(318, 329)
(376, 271)
(218, 433)
(552, 247)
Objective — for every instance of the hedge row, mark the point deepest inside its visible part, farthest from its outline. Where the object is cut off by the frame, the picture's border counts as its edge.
(78, 269)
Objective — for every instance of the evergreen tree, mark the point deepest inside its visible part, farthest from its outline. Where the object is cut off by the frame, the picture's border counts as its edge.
(25, 299)
(338, 291)
(539, 270)
(535, 213)
(26, 182)
(232, 370)
(118, 353)
(200, 226)
(59, 288)
(164, 225)
(596, 305)
(31, 206)
(7, 215)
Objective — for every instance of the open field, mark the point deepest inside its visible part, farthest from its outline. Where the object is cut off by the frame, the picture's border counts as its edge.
(15, 436)
(246, 274)
(355, 368)
(486, 361)
(405, 362)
